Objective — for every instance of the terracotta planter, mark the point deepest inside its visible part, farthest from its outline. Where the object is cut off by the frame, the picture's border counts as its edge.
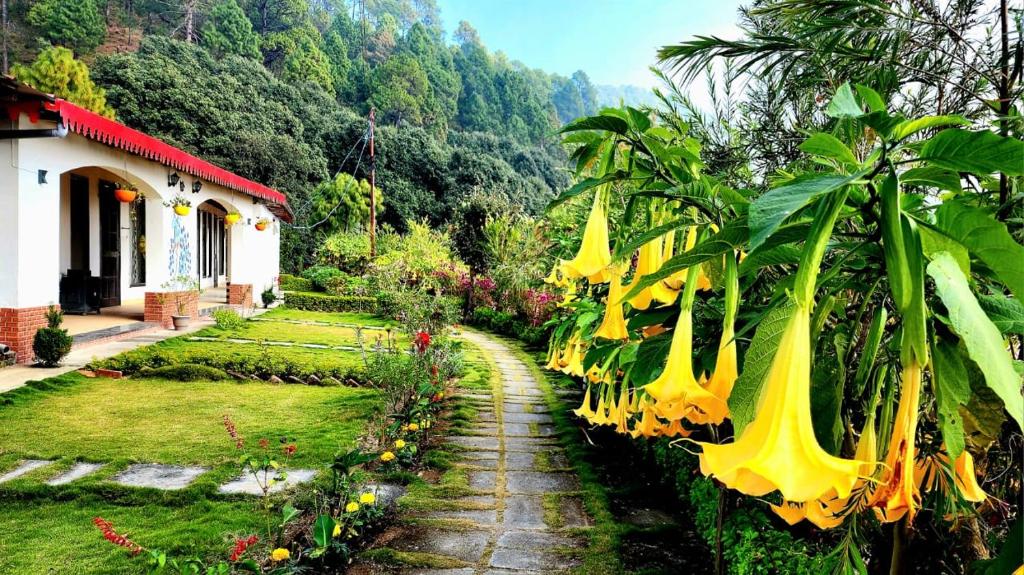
(125, 196)
(260, 226)
(232, 219)
(182, 210)
(180, 321)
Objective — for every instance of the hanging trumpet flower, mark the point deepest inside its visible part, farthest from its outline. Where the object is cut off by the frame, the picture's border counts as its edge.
(594, 256)
(898, 493)
(614, 324)
(726, 367)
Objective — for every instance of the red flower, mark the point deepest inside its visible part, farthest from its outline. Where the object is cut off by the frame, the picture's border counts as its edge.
(110, 535)
(422, 341)
(241, 546)
(264, 443)
(289, 450)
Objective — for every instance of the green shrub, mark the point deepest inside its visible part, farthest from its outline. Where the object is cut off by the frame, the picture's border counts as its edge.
(509, 324)
(51, 344)
(289, 282)
(312, 301)
(228, 319)
(268, 296)
(184, 372)
(347, 251)
(348, 285)
(321, 276)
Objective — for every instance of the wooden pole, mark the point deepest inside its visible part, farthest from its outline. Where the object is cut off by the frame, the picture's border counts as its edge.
(373, 192)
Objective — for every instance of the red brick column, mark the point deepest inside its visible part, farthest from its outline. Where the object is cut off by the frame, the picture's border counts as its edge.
(240, 294)
(160, 306)
(18, 326)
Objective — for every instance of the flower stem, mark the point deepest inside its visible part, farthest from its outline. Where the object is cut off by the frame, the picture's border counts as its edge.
(814, 250)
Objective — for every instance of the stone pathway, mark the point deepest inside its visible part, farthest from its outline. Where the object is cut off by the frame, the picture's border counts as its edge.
(527, 515)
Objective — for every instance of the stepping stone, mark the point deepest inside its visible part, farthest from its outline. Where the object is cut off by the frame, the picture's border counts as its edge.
(528, 443)
(467, 546)
(480, 516)
(158, 476)
(557, 459)
(521, 407)
(483, 480)
(546, 430)
(474, 442)
(536, 482)
(462, 571)
(516, 417)
(536, 540)
(77, 471)
(520, 461)
(26, 466)
(490, 464)
(573, 514)
(518, 429)
(524, 512)
(530, 559)
(248, 485)
(386, 493)
(479, 500)
(480, 455)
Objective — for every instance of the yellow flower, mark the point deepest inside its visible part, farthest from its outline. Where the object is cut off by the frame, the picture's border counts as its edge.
(405, 428)
(648, 426)
(400, 444)
(648, 262)
(898, 493)
(778, 450)
(280, 554)
(585, 411)
(426, 424)
(387, 456)
(594, 255)
(352, 507)
(614, 324)
(414, 427)
(676, 392)
(367, 499)
(337, 530)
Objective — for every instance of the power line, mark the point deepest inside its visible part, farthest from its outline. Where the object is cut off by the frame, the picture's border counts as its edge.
(359, 162)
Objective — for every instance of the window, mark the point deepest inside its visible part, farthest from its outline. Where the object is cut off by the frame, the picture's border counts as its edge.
(137, 214)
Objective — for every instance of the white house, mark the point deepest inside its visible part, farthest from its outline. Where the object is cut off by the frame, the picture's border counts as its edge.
(66, 237)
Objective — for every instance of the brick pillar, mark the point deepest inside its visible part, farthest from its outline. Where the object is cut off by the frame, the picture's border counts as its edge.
(160, 306)
(18, 326)
(240, 294)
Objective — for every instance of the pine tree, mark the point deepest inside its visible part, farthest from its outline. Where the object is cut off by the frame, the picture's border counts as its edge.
(229, 31)
(55, 71)
(77, 25)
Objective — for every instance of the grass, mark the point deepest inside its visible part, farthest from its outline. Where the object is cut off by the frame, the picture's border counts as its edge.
(172, 422)
(281, 327)
(48, 529)
(285, 313)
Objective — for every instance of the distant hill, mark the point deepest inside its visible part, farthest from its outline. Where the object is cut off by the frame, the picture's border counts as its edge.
(629, 94)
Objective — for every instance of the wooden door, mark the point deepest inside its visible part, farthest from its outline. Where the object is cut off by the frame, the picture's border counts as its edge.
(110, 246)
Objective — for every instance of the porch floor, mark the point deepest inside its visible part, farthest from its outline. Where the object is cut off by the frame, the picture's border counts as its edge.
(131, 312)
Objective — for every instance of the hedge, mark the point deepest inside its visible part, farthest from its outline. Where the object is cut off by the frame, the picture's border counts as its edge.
(289, 282)
(505, 323)
(312, 301)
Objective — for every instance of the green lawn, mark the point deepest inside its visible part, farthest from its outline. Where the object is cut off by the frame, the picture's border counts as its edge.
(286, 313)
(297, 333)
(71, 418)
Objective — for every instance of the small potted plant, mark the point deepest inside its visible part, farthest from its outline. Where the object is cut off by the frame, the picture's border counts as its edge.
(232, 218)
(180, 204)
(183, 287)
(126, 193)
(262, 223)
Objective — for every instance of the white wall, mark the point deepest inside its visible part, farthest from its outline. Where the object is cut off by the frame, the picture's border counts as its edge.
(34, 228)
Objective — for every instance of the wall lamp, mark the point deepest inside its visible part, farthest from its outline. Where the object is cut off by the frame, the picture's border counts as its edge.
(172, 179)
(196, 186)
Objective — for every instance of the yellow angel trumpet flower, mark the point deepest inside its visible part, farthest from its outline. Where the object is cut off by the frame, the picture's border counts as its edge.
(648, 261)
(613, 326)
(605, 406)
(676, 392)
(585, 411)
(930, 474)
(898, 493)
(594, 255)
(553, 355)
(557, 277)
(778, 449)
(726, 366)
(622, 412)
(648, 426)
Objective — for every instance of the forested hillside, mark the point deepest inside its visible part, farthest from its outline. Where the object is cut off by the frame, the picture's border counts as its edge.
(280, 90)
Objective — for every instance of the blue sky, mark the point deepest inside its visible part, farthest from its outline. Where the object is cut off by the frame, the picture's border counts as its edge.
(613, 41)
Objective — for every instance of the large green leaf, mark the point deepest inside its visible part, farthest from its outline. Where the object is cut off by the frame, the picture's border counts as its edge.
(828, 146)
(650, 358)
(1006, 313)
(635, 242)
(729, 238)
(774, 256)
(987, 239)
(933, 176)
(981, 337)
(910, 127)
(602, 122)
(323, 527)
(952, 389)
(768, 212)
(756, 363)
(979, 153)
(586, 184)
(844, 104)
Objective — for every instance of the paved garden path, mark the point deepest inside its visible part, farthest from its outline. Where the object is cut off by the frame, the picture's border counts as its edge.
(526, 516)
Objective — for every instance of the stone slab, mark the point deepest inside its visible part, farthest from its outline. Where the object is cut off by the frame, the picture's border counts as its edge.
(25, 467)
(474, 442)
(520, 461)
(517, 429)
(477, 455)
(572, 513)
(530, 559)
(524, 512)
(536, 482)
(248, 485)
(524, 406)
(463, 545)
(386, 493)
(480, 516)
(76, 472)
(529, 443)
(158, 476)
(532, 539)
(518, 417)
(483, 480)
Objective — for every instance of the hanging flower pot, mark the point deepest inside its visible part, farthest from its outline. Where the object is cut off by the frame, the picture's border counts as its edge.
(232, 219)
(180, 205)
(262, 223)
(126, 193)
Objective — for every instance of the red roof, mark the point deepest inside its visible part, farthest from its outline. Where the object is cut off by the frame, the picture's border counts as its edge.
(117, 135)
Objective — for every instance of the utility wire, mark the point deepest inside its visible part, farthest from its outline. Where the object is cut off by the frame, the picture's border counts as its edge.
(343, 191)
(341, 166)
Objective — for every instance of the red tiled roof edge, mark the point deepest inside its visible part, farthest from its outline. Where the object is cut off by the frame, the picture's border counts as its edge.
(106, 131)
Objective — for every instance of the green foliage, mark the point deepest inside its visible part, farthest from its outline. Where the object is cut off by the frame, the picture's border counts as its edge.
(321, 275)
(184, 372)
(510, 324)
(343, 205)
(333, 303)
(229, 31)
(347, 251)
(77, 25)
(268, 296)
(56, 71)
(288, 282)
(228, 319)
(414, 258)
(50, 345)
